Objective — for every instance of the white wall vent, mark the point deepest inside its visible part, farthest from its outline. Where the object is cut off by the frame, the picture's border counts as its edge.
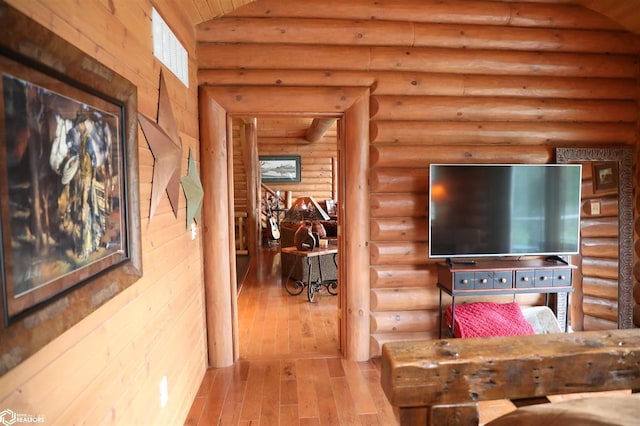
(168, 49)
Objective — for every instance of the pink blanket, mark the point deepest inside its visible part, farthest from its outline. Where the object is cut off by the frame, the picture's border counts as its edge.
(485, 319)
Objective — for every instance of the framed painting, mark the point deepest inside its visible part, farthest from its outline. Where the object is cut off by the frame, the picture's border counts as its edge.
(280, 168)
(69, 207)
(605, 177)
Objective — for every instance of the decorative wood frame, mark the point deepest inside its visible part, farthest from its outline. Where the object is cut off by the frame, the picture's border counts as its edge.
(280, 168)
(34, 60)
(623, 158)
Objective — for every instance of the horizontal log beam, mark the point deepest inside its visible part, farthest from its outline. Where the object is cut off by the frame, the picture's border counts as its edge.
(593, 324)
(599, 227)
(386, 276)
(608, 204)
(471, 370)
(394, 205)
(399, 229)
(403, 321)
(283, 77)
(599, 267)
(497, 133)
(437, 11)
(393, 253)
(421, 156)
(377, 340)
(318, 128)
(400, 180)
(404, 299)
(252, 100)
(600, 287)
(599, 247)
(600, 308)
(435, 60)
(403, 33)
(496, 62)
(501, 133)
(429, 84)
(427, 298)
(488, 109)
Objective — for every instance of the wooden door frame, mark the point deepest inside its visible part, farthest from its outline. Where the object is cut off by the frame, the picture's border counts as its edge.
(217, 104)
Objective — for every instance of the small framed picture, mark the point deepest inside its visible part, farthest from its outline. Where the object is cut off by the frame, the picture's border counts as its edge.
(280, 168)
(605, 177)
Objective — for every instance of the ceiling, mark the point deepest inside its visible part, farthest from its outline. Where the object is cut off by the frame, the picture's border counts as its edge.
(624, 12)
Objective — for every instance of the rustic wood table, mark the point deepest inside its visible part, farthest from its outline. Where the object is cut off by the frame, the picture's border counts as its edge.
(440, 382)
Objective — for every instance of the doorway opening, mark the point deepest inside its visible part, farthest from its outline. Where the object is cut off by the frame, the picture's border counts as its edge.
(217, 106)
(297, 160)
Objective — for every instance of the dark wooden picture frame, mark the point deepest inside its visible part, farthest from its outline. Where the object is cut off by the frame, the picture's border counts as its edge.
(605, 177)
(280, 168)
(623, 159)
(69, 192)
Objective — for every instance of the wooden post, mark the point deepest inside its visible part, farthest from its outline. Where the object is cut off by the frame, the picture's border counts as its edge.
(217, 261)
(233, 279)
(251, 167)
(355, 242)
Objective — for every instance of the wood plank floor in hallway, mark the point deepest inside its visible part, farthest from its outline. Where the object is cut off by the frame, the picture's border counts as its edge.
(290, 370)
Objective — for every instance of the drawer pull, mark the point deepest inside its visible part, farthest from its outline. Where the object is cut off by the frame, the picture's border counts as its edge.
(543, 278)
(503, 280)
(525, 279)
(465, 281)
(562, 277)
(483, 281)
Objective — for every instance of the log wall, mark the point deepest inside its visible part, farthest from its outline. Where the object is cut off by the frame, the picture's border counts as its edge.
(107, 369)
(473, 81)
(317, 159)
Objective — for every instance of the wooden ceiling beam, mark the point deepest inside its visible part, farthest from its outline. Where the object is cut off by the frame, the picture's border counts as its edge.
(318, 128)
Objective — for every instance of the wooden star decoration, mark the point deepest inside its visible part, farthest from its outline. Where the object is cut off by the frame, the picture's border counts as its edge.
(166, 147)
(192, 187)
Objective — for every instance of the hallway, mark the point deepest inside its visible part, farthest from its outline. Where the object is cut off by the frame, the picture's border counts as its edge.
(290, 370)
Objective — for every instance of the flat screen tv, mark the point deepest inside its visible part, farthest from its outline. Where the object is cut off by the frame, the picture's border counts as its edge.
(480, 210)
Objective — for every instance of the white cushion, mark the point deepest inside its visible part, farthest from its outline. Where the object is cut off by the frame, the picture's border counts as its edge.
(541, 319)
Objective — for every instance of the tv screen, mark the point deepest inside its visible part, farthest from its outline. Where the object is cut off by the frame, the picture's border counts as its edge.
(504, 209)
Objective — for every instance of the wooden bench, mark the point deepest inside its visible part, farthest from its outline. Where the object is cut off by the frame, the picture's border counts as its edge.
(439, 382)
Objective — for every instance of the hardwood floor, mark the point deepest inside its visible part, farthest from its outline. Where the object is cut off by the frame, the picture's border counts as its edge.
(290, 370)
(272, 323)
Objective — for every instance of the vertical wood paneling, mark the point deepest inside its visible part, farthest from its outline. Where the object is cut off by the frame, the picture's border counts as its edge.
(108, 367)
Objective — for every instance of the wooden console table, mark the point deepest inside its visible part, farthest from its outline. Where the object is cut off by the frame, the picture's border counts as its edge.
(487, 278)
(297, 287)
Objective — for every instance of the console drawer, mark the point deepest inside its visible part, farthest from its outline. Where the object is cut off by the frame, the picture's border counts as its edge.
(463, 280)
(483, 280)
(543, 278)
(502, 279)
(524, 279)
(562, 278)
